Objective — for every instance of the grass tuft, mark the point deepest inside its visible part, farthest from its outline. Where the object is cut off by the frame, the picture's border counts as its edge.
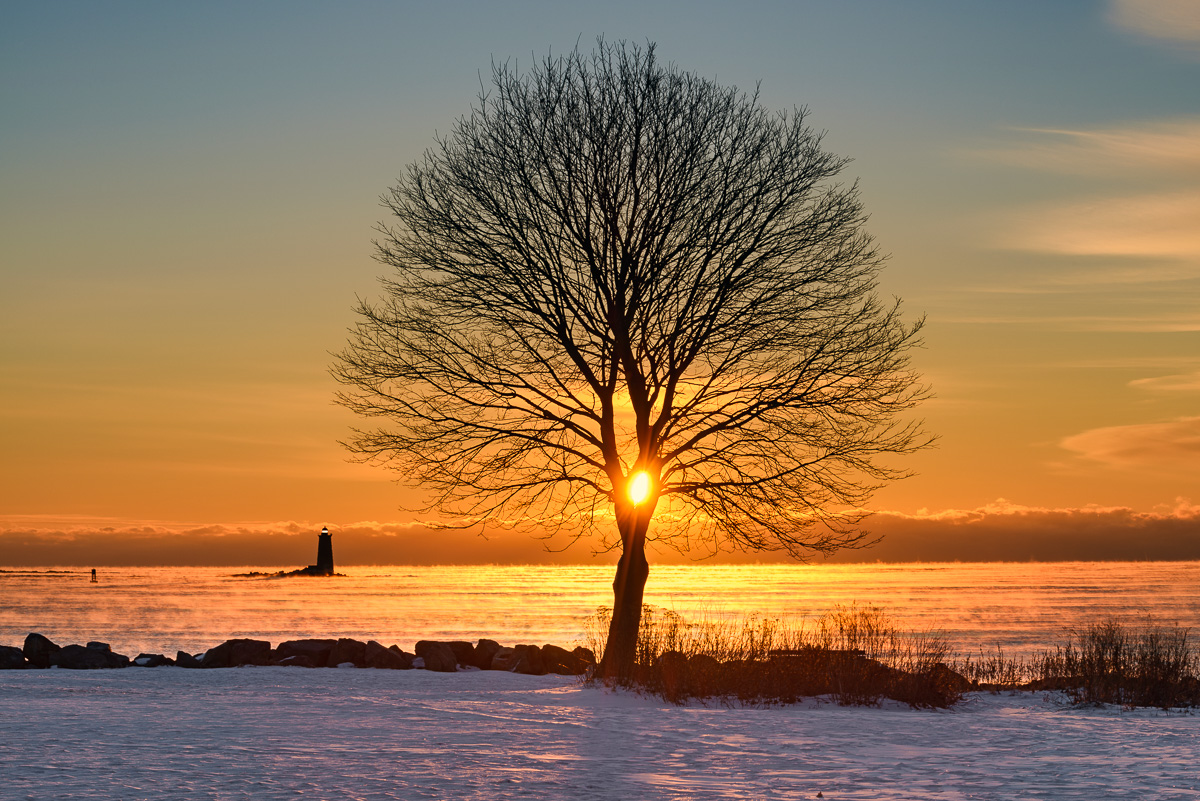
(1112, 663)
(857, 656)
(853, 654)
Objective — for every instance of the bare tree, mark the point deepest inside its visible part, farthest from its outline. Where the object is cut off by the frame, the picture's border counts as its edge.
(612, 268)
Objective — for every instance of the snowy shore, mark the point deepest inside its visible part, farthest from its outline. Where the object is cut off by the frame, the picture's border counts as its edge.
(270, 733)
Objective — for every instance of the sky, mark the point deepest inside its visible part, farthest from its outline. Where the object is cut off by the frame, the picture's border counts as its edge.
(187, 201)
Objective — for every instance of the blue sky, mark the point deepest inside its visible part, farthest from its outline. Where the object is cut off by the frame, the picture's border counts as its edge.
(187, 195)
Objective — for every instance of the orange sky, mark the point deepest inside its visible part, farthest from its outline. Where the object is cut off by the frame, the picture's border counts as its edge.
(186, 204)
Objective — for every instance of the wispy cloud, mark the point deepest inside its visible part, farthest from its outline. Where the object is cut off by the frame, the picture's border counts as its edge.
(998, 531)
(1166, 146)
(1186, 382)
(1147, 226)
(1122, 233)
(1174, 21)
(1173, 444)
(1161, 323)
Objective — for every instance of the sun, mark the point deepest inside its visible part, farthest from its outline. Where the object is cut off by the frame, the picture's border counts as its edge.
(639, 487)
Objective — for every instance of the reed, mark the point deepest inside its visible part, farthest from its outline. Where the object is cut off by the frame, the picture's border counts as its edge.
(855, 655)
(858, 656)
(1114, 663)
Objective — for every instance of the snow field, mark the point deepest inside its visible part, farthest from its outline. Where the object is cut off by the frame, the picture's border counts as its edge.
(274, 733)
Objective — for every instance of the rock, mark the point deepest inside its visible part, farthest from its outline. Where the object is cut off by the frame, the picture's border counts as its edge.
(438, 656)
(944, 676)
(561, 661)
(519, 659)
(405, 654)
(485, 650)
(533, 663)
(315, 651)
(464, 652)
(385, 658)
(235, 653)
(585, 656)
(39, 650)
(79, 657)
(297, 660)
(11, 658)
(704, 675)
(672, 667)
(348, 650)
(185, 660)
(151, 660)
(100, 646)
(504, 659)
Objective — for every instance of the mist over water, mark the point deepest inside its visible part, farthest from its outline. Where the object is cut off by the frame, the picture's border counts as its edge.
(1022, 607)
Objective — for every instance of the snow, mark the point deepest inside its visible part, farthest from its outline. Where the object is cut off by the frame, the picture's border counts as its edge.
(269, 733)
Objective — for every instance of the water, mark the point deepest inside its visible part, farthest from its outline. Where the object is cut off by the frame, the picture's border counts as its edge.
(1019, 606)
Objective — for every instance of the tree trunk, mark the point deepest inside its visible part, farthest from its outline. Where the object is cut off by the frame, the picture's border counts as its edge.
(620, 651)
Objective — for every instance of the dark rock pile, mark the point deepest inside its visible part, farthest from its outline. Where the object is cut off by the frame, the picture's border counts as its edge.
(444, 657)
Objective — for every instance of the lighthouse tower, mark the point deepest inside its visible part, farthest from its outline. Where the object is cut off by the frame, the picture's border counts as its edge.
(325, 552)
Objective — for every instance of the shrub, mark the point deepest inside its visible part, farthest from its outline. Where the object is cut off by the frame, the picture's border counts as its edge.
(856, 655)
(1111, 663)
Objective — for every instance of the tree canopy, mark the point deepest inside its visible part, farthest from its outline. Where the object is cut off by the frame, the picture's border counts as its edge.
(613, 266)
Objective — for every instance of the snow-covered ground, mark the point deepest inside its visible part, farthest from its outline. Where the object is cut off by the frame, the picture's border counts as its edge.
(269, 733)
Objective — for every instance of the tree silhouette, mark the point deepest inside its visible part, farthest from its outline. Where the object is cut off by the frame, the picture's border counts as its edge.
(614, 267)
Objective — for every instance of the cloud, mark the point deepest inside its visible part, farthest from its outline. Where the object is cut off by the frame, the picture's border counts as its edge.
(1006, 531)
(999, 531)
(32, 541)
(1187, 382)
(1173, 21)
(1162, 225)
(1167, 146)
(1172, 444)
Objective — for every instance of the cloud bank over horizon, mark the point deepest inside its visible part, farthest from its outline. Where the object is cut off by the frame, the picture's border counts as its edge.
(1000, 531)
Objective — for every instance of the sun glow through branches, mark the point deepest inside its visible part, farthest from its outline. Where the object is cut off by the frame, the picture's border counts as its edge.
(639, 487)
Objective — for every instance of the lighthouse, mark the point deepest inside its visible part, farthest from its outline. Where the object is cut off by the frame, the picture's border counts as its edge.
(325, 552)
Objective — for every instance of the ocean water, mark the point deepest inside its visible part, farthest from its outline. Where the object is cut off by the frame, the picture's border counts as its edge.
(1021, 607)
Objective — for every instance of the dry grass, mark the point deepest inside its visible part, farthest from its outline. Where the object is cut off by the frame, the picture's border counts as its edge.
(1112, 663)
(993, 670)
(856, 655)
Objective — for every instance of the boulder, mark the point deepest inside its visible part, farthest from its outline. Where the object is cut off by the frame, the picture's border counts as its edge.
(79, 657)
(185, 660)
(585, 656)
(704, 675)
(672, 667)
(464, 652)
(235, 653)
(405, 654)
(485, 650)
(945, 676)
(385, 658)
(39, 650)
(561, 661)
(519, 659)
(533, 663)
(438, 656)
(11, 658)
(348, 650)
(315, 651)
(151, 660)
(504, 659)
(297, 660)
